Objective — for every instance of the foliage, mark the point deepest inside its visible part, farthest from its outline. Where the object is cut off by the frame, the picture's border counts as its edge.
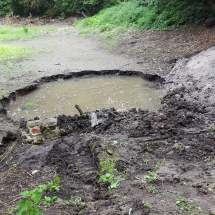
(184, 205)
(30, 105)
(34, 198)
(148, 205)
(160, 164)
(111, 179)
(151, 176)
(107, 172)
(148, 14)
(107, 165)
(60, 7)
(55, 185)
(5, 7)
(153, 189)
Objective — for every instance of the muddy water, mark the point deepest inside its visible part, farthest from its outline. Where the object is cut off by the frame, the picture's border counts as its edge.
(90, 93)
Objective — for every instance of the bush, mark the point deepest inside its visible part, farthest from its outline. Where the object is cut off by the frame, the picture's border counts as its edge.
(5, 7)
(149, 14)
(60, 7)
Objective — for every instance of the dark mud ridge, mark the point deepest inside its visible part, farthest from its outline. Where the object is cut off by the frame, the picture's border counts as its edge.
(163, 161)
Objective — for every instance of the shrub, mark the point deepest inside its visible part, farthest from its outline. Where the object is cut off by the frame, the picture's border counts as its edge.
(5, 7)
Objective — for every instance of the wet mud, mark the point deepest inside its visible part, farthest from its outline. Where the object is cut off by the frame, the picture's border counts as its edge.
(163, 160)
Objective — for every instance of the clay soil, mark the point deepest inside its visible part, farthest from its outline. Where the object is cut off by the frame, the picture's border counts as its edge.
(164, 160)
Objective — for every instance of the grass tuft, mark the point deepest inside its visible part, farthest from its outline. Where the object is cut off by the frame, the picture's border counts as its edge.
(14, 52)
(8, 33)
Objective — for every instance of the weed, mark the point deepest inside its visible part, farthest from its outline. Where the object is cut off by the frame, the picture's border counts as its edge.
(160, 164)
(77, 201)
(111, 179)
(185, 206)
(70, 127)
(146, 161)
(151, 176)
(34, 198)
(213, 129)
(107, 165)
(153, 189)
(30, 105)
(55, 185)
(177, 147)
(148, 205)
(210, 181)
(149, 149)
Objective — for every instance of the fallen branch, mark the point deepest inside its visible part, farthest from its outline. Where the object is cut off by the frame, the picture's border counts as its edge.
(79, 110)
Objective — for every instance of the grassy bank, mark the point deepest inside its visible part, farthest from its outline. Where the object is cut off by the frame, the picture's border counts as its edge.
(158, 15)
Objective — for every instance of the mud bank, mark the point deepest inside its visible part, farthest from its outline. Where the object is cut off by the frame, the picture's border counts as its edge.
(163, 160)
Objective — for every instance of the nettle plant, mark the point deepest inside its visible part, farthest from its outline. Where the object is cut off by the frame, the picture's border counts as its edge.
(34, 198)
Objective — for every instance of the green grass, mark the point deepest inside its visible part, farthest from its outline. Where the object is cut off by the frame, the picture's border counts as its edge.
(30, 105)
(158, 15)
(8, 33)
(8, 52)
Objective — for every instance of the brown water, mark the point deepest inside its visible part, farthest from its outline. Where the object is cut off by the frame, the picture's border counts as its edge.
(90, 93)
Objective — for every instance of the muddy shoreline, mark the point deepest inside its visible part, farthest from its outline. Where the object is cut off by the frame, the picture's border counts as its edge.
(163, 160)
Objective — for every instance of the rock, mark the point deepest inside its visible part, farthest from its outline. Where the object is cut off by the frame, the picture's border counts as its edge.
(1, 107)
(35, 171)
(33, 123)
(2, 135)
(210, 22)
(93, 119)
(49, 123)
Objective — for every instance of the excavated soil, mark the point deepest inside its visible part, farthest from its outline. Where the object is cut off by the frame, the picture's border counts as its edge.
(164, 160)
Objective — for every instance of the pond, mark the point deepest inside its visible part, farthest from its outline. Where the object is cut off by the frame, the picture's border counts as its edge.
(90, 93)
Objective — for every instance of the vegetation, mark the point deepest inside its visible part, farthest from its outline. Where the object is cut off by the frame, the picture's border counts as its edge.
(160, 164)
(53, 7)
(159, 15)
(12, 33)
(184, 205)
(34, 198)
(13, 52)
(30, 105)
(151, 176)
(108, 174)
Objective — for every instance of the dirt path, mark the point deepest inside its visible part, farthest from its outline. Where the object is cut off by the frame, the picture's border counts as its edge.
(133, 162)
(62, 52)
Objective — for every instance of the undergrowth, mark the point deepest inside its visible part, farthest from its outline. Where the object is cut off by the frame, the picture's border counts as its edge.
(8, 33)
(158, 15)
(8, 52)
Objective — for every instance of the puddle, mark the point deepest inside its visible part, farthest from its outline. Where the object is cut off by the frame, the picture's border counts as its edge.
(90, 93)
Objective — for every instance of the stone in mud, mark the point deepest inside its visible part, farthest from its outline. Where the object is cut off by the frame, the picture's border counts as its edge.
(6, 136)
(40, 130)
(2, 135)
(1, 107)
(49, 123)
(33, 123)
